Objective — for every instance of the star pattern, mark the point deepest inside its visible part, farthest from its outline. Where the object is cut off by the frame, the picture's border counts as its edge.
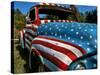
(81, 34)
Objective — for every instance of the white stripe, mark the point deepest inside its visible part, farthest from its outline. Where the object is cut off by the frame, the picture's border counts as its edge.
(21, 34)
(51, 66)
(63, 20)
(35, 13)
(67, 20)
(26, 40)
(49, 20)
(59, 20)
(31, 31)
(23, 30)
(15, 39)
(29, 36)
(41, 3)
(35, 26)
(54, 20)
(53, 4)
(76, 51)
(28, 25)
(47, 4)
(27, 46)
(42, 21)
(62, 57)
(21, 39)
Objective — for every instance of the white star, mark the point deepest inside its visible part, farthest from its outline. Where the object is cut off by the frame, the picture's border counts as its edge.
(60, 36)
(85, 30)
(65, 35)
(72, 29)
(95, 46)
(91, 30)
(68, 38)
(80, 45)
(85, 61)
(49, 28)
(59, 30)
(45, 26)
(79, 27)
(88, 49)
(88, 43)
(55, 34)
(56, 25)
(77, 33)
(95, 41)
(73, 41)
(52, 33)
(81, 37)
(90, 37)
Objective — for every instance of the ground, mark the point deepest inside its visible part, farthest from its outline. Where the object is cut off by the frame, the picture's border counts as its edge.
(20, 59)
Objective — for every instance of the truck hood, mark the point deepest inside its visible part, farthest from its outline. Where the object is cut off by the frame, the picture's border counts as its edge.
(80, 34)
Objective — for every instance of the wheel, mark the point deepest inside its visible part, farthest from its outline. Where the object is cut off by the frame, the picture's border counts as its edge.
(77, 66)
(34, 63)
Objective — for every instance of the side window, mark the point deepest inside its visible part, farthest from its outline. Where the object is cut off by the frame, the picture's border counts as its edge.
(32, 15)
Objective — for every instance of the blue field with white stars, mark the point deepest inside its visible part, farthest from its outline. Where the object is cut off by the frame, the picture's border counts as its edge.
(81, 34)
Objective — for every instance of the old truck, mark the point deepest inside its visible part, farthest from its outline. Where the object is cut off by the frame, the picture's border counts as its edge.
(56, 42)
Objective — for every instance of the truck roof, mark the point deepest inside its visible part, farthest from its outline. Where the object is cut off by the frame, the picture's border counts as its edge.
(52, 6)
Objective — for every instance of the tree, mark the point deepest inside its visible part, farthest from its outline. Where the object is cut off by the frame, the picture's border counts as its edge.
(91, 16)
(75, 12)
(19, 19)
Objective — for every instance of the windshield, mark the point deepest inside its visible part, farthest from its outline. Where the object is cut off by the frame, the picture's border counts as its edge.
(54, 14)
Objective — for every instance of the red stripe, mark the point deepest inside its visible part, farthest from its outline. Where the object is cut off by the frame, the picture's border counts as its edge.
(44, 3)
(82, 50)
(54, 60)
(36, 52)
(56, 48)
(32, 35)
(30, 27)
(46, 21)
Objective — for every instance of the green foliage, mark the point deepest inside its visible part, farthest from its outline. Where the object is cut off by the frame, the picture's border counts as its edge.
(91, 16)
(19, 19)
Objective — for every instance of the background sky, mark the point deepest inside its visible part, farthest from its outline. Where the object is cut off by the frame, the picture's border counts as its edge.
(25, 6)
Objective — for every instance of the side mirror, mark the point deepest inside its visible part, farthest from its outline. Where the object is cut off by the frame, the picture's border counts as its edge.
(28, 20)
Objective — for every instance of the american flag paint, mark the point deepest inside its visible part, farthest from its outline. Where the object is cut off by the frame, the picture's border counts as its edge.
(61, 43)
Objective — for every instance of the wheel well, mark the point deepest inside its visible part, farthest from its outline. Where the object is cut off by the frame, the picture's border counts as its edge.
(38, 55)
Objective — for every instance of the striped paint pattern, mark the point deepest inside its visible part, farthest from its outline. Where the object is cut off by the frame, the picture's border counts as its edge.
(56, 53)
(52, 4)
(32, 28)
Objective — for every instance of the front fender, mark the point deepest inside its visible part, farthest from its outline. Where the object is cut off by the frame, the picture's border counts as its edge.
(88, 60)
(21, 39)
(38, 54)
